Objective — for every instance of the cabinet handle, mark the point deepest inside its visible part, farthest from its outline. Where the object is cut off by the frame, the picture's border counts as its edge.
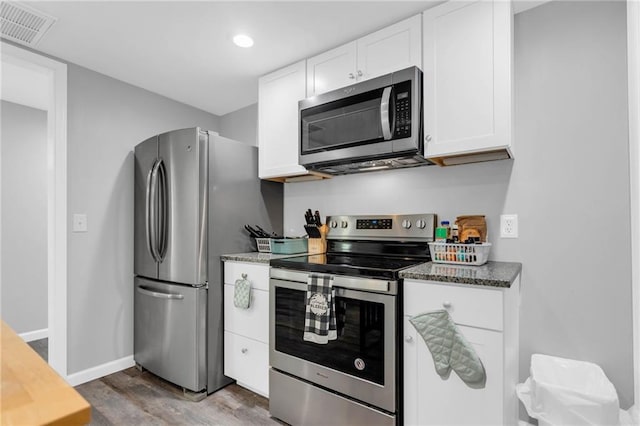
(244, 350)
(427, 138)
(446, 304)
(352, 76)
(360, 73)
(408, 339)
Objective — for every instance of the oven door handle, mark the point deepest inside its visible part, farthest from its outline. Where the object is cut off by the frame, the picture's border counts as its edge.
(299, 279)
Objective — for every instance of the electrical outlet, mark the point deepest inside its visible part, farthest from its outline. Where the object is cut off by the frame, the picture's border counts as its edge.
(509, 226)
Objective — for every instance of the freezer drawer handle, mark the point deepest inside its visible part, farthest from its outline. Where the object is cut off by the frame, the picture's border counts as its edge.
(160, 295)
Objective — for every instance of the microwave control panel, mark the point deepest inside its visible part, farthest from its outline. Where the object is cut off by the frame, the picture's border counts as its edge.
(402, 93)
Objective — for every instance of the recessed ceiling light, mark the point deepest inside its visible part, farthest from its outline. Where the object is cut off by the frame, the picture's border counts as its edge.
(243, 40)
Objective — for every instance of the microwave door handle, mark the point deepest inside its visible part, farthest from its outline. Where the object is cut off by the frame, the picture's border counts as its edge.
(384, 113)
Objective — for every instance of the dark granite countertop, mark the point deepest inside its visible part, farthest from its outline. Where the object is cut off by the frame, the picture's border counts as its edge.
(493, 274)
(255, 257)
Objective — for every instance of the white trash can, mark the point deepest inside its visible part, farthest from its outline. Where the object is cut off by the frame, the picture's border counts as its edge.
(564, 392)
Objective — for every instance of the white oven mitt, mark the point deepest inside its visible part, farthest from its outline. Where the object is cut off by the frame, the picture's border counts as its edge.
(449, 348)
(242, 293)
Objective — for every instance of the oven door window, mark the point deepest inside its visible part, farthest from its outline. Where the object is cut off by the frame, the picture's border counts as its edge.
(359, 348)
(340, 124)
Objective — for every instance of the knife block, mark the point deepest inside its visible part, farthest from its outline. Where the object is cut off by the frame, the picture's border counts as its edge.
(319, 245)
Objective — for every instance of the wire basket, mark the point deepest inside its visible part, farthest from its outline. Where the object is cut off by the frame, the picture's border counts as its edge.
(264, 245)
(460, 254)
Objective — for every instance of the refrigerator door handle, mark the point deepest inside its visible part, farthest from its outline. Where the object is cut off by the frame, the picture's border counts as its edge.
(152, 213)
(159, 294)
(163, 211)
(147, 214)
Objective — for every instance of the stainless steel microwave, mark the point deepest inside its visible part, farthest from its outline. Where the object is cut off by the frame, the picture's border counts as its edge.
(371, 125)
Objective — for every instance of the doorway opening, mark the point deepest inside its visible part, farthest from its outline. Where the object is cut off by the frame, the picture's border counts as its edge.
(53, 76)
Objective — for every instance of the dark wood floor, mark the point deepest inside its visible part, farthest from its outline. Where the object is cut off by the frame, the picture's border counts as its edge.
(41, 347)
(132, 397)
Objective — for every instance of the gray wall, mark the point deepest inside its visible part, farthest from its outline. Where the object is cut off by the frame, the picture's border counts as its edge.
(569, 185)
(24, 217)
(241, 125)
(106, 119)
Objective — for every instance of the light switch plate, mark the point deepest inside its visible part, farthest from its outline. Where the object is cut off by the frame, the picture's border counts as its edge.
(79, 222)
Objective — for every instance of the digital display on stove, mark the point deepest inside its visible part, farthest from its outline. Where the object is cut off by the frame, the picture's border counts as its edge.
(373, 224)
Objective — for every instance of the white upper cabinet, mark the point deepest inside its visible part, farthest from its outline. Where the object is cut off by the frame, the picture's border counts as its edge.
(332, 69)
(278, 94)
(468, 81)
(390, 49)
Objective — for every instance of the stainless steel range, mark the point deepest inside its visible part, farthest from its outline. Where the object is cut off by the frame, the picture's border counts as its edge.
(356, 378)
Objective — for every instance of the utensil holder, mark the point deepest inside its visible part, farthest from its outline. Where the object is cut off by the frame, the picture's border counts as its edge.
(319, 245)
(264, 245)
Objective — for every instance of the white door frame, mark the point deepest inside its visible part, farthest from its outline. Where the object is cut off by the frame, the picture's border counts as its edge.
(56, 72)
(633, 61)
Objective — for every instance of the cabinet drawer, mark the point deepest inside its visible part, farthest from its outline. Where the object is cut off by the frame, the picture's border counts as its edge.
(258, 274)
(252, 322)
(247, 361)
(471, 306)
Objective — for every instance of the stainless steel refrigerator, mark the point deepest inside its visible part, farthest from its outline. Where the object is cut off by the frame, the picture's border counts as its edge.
(194, 192)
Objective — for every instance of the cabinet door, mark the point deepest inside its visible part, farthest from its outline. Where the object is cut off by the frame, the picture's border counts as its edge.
(331, 70)
(278, 94)
(467, 77)
(392, 48)
(247, 361)
(252, 322)
(410, 373)
(451, 401)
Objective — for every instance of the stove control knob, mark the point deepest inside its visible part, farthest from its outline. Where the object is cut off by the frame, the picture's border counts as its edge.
(406, 224)
(344, 223)
(421, 223)
(333, 224)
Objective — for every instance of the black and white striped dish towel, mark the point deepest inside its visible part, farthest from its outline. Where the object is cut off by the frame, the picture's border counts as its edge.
(320, 318)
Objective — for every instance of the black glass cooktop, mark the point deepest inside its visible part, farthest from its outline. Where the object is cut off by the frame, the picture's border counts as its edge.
(349, 264)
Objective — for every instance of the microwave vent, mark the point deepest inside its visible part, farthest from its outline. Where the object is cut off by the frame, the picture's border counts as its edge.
(373, 165)
(23, 24)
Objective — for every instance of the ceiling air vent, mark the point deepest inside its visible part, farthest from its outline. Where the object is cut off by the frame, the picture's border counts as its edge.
(23, 24)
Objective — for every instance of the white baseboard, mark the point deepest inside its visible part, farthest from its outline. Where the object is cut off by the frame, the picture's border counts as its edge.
(94, 373)
(30, 336)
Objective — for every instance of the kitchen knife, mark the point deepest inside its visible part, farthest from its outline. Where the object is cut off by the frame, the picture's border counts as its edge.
(312, 231)
(258, 233)
(316, 218)
(252, 231)
(308, 217)
(269, 235)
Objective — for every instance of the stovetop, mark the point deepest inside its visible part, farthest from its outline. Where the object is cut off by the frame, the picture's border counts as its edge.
(369, 246)
(351, 265)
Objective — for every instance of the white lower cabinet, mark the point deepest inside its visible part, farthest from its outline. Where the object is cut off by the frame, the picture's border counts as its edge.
(432, 400)
(246, 331)
(247, 361)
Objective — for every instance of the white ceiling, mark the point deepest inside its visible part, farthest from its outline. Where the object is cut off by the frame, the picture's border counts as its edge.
(183, 49)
